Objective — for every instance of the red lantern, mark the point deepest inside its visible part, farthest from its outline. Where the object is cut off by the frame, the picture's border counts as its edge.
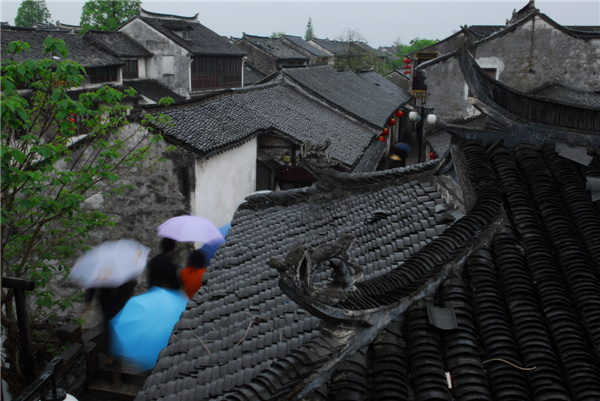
(405, 72)
(406, 60)
(407, 67)
(381, 138)
(385, 132)
(392, 122)
(399, 113)
(432, 155)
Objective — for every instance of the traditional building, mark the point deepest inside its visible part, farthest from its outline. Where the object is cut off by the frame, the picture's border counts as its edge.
(268, 55)
(474, 275)
(530, 52)
(315, 55)
(188, 58)
(101, 66)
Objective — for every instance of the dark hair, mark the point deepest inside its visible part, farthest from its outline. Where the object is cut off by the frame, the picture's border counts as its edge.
(167, 245)
(197, 259)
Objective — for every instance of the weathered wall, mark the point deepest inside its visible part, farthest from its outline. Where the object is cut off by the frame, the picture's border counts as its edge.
(178, 79)
(159, 192)
(223, 181)
(533, 55)
(537, 53)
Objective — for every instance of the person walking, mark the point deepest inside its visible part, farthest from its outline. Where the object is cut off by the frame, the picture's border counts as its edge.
(162, 270)
(191, 275)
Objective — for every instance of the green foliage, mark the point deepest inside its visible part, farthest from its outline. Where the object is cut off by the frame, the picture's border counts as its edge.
(415, 44)
(106, 15)
(31, 12)
(276, 35)
(57, 151)
(310, 32)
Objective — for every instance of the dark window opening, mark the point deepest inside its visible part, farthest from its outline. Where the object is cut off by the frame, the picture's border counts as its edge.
(216, 72)
(130, 69)
(102, 74)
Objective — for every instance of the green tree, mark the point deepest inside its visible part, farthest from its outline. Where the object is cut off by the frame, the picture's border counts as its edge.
(107, 15)
(31, 12)
(276, 35)
(56, 152)
(414, 45)
(310, 32)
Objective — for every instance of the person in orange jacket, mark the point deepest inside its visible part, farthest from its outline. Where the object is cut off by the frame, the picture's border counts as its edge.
(191, 276)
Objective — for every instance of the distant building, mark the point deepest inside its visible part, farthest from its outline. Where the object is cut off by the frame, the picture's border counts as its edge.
(188, 58)
(268, 55)
(101, 66)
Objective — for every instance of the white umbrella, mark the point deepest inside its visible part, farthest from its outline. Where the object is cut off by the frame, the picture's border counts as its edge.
(188, 228)
(111, 264)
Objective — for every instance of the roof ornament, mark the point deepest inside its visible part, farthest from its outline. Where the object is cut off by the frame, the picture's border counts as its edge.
(303, 274)
(316, 159)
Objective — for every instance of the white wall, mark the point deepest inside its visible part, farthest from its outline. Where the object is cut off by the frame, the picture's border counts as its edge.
(223, 181)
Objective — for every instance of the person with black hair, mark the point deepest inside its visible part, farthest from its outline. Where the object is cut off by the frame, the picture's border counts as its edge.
(191, 276)
(162, 270)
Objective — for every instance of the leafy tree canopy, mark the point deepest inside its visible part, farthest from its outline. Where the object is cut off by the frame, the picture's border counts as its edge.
(310, 32)
(31, 12)
(57, 151)
(414, 45)
(276, 35)
(107, 15)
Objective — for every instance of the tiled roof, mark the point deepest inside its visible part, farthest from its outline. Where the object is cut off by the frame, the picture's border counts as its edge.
(242, 302)
(572, 96)
(382, 82)
(587, 28)
(514, 315)
(275, 47)
(251, 75)
(338, 48)
(221, 122)
(297, 40)
(347, 90)
(118, 44)
(485, 30)
(80, 50)
(202, 42)
(153, 90)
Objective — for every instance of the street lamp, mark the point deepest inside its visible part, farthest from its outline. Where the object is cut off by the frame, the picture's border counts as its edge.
(419, 117)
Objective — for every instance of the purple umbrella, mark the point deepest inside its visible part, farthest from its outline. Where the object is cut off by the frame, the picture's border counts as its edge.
(188, 228)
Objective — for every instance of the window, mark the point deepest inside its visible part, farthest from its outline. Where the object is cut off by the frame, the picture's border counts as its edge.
(102, 74)
(216, 72)
(168, 65)
(130, 69)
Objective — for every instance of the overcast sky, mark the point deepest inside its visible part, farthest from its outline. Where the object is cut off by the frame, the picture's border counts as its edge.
(379, 23)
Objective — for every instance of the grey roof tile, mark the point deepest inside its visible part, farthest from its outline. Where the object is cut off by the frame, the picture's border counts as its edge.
(117, 43)
(306, 46)
(153, 90)
(275, 47)
(221, 122)
(80, 49)
(291, 325)
(202, 42)
(371, 102)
